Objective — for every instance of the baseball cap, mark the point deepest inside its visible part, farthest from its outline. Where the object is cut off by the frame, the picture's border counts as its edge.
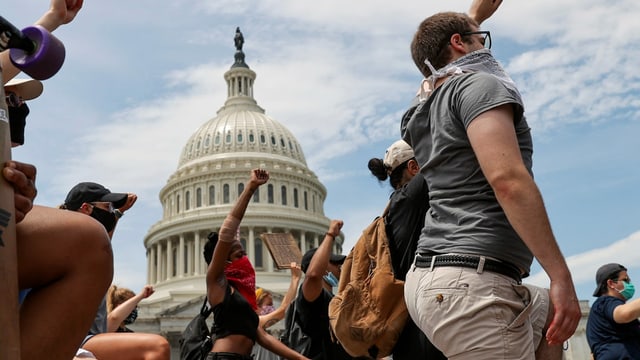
(604, 273)
(397, 154)
(27, 89)
(306, 259)
(86, 192)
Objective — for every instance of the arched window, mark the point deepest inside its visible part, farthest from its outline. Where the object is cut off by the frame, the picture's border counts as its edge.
(256, 195)
(225, 193)
(283, 194)
(270, 193)
(187, 200)
(198, 197)
(306, 203)
(178, 203)
(212, 195)
(240, 188)
(295, 197)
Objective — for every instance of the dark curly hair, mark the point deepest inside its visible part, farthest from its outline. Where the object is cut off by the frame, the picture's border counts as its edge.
(379, 170)
(209, 246)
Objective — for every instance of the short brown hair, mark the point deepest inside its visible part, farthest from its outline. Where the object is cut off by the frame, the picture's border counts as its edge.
(433, 34)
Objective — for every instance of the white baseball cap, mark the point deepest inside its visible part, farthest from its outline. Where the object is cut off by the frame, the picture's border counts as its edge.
(27, 89)
(397, 154)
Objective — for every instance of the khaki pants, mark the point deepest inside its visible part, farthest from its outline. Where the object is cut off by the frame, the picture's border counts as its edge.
(471, 315)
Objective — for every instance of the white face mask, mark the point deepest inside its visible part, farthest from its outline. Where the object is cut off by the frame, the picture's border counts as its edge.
(476, 61)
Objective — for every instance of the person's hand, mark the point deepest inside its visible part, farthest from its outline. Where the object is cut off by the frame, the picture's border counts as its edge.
(131, 199)
(23, 179)
(296, 271)
(259, 177)
(60, 12)
(147, 291)
(481, 10)
(566, 312)
(334, 227)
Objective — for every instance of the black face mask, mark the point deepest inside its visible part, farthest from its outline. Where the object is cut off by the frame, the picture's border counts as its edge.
(17, 122)
(106, 218)
(132, 317)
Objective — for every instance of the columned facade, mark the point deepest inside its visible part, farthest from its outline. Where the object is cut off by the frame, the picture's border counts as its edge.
(214, 165)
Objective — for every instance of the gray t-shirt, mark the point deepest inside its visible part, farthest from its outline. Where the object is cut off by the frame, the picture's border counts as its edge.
(465, 216)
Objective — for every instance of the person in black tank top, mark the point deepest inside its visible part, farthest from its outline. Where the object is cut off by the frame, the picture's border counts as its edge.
(231, 288)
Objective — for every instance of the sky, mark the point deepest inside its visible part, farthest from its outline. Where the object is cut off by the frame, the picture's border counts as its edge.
(141, 76)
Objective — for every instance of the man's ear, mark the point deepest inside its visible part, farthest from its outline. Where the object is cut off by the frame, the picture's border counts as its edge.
(457, 44)
(85, 208)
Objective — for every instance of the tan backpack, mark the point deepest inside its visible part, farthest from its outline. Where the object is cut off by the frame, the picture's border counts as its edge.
(368, 313)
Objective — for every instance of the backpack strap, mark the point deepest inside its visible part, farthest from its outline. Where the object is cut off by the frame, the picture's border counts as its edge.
(205, 310)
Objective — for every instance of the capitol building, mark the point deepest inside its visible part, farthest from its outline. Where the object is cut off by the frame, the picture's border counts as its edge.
(214, 165)
(212, 169)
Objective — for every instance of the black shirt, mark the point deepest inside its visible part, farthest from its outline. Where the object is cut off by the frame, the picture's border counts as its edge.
(234, 316)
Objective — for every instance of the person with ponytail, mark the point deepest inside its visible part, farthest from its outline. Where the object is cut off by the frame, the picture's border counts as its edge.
(231, 286)
(404, 218)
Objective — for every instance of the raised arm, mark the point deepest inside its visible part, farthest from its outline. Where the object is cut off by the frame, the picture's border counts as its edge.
(313, 281)
(481, 10)
(60, 12)
(267, 320)
(120, 313)
(216, 281)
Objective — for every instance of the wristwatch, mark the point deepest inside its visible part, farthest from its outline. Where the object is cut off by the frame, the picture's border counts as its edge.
(118, 213)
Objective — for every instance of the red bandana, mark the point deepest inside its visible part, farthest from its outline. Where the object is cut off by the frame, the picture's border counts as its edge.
(242, 277)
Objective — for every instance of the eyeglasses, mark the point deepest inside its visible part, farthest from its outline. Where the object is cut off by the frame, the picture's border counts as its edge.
(486, 39)
(13, 99)
(627, 280)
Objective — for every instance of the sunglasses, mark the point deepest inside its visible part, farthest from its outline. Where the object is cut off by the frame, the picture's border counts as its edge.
(486, 38)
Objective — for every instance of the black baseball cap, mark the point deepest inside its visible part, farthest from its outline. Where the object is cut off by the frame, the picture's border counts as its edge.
(604, 273)
(306, 259)
(86, 192)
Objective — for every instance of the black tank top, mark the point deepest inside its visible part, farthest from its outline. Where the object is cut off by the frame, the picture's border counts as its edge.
(234, 316)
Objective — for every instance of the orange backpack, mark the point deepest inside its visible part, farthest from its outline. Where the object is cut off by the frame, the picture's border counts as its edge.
(369, 312)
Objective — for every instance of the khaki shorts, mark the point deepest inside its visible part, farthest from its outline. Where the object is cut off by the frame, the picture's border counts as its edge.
(468, 315)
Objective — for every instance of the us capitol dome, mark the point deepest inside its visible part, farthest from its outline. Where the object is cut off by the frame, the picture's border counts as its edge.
(214, 165)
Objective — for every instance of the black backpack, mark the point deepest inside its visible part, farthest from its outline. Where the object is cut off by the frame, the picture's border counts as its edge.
(196, 341)
(293, 336)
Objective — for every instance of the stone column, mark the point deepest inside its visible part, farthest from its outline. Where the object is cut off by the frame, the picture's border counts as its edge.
(169, 259)
(158, 251)
(197, 253)
(180, 270)
(303, 242)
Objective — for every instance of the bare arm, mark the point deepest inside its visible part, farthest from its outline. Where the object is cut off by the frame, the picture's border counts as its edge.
(216, 281)
(313, 281)
(492, 136)
(60, 12)
(117, 315)
(274, 345)
(481, 10)
(627, 312)
(267, 320)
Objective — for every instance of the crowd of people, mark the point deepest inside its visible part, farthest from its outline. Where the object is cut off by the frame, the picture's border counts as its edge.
(464, 222)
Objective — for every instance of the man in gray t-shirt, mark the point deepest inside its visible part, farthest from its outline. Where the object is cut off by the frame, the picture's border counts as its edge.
(486, 219)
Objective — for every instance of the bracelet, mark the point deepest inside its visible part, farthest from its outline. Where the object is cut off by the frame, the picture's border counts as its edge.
(118, 213)
(329, 234)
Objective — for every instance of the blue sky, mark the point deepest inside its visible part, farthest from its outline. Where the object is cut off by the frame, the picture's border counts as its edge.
(141, 76)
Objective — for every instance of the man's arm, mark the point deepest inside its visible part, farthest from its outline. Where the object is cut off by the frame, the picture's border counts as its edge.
(60, 12)
(492, 136)
(312, 284)
(628, 312)
(481, 10)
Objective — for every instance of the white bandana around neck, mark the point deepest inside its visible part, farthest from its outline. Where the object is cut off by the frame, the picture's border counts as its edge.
(476, 61)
